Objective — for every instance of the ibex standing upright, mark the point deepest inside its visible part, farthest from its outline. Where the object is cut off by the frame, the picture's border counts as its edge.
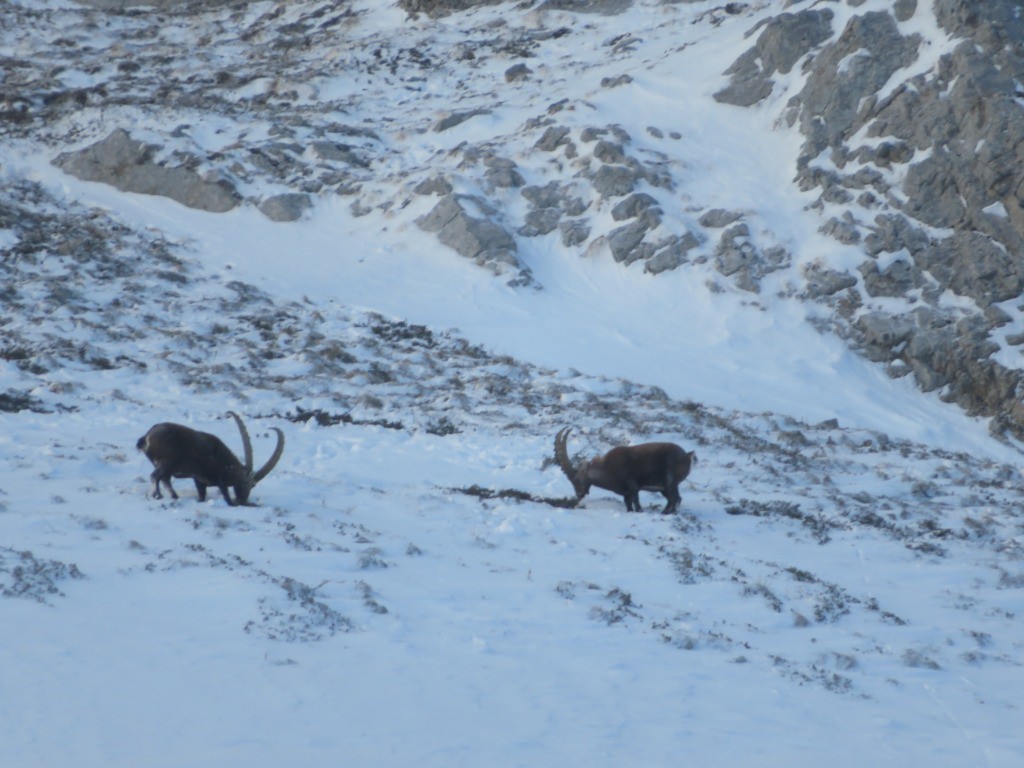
(180, 451)
(627, 470)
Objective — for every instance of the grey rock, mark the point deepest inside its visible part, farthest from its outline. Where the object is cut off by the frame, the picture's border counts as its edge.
(548, 196)
(555, 196)
(615, 180)
(617, 132)
(473, 237)
(505, 178)
(635, 205)
(934, 196)
(717, 218)
(893, 233)
(738, 257)
(822, 281)
(609, 152)
(517, 73)
(886, 154)
(540, 221)
(671, 255)
(881, 333)
(574, 232)
(740, 260)
(898, 279)
(453, 119)
(615, 82)
(503, 173)
(335, 152)
(843, 230)
(971, 264)
(625, 241)
(127, 164)
(849, 71)
(468, 232)
(289, 206)
(446, 209)
(553, 138)
(121, 5)
(601, 7)
(437, 8)
(904, 10)
(785, 39)
(434, 185)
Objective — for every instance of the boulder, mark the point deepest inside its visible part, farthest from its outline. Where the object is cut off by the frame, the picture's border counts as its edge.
(574, 232)
(540, 221)
(554, 195)
(461, 223)
(289, 206)
(615, 180)
(672, 254)
(127, 164)
(517, 73)
(625, 241)
(635, 205)
(738, 257)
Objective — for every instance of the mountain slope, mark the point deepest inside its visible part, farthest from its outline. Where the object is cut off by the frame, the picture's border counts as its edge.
(842, 583)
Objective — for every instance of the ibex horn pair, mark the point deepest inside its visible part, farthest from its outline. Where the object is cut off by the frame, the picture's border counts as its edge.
(180, 451)
(627, 470)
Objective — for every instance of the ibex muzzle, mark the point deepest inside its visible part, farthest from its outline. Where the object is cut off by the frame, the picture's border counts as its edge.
(627, 470)
(180, 451)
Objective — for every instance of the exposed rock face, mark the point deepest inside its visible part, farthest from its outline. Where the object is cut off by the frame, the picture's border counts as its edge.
(464, 224)
(445, 7)
(127, 164)
(118, 5)
(442, 7)
(785, 40)
(911, 146)
(929, 168)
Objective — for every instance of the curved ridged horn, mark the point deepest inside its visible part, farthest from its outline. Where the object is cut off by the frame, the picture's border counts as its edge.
(246, 442)
(566, 465)
(272, 462)
(562, 453)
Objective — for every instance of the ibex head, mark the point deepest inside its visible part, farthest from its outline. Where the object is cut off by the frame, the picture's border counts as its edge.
(180, 451)
(627, 470)
(577, 474)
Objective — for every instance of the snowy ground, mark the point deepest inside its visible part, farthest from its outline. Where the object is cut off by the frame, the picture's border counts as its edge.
(406, 592)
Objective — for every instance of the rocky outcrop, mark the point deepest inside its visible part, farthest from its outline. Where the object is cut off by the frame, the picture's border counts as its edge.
(911, 146)
(445, 7)
(128, 165)
(928, 169)
(784, 41)
(442, 7)
(289, 206)
(466, 225)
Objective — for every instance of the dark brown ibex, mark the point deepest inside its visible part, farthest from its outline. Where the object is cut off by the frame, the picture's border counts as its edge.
(179, 451)
(627, 470)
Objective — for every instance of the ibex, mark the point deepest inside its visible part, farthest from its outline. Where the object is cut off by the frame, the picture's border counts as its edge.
(627, 470)
(179, 451)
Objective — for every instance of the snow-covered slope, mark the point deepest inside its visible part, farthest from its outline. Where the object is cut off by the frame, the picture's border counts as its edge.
(843, 582)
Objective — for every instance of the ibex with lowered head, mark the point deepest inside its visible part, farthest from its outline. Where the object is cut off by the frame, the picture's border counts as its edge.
(179, 451)
(629, 469)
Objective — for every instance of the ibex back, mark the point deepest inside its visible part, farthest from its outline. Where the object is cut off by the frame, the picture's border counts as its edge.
(180, 451)
(627, 470)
